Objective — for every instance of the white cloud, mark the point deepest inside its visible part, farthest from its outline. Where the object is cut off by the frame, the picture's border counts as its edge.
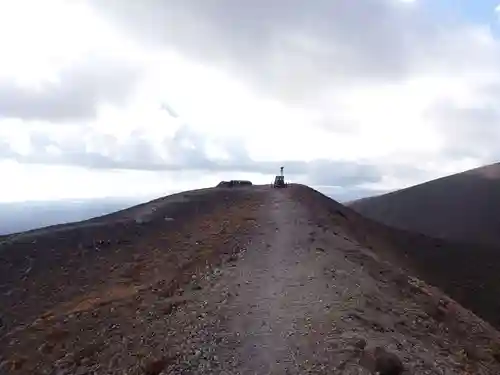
(372, 83)
(40, 38)
(63, 182)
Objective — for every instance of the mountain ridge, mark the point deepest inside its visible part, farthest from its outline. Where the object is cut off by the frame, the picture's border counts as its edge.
(460, 207)
(174, 293)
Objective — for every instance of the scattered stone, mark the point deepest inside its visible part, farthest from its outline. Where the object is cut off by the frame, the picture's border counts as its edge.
(155, 367)
(387, 363)
(360, 344)
(46, 348)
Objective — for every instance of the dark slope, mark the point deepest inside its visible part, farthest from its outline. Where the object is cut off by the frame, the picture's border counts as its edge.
(464, 207)
(468, 273)
(43, 267)
(239, 278)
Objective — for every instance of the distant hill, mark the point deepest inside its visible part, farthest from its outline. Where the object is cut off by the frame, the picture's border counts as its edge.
(463, 207)
(22, 216)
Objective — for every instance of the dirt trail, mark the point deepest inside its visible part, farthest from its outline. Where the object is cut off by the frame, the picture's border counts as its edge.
(287, 304)
(303, 298)
(280, 291)
(289, 292)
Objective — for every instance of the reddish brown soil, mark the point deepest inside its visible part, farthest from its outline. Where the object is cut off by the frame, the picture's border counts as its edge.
(241, 281)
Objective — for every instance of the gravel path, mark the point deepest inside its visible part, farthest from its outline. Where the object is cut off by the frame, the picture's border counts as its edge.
(269, 284)
(305, 299)
(278, 317)
(271, 311)
(283, 312)
(279, 292)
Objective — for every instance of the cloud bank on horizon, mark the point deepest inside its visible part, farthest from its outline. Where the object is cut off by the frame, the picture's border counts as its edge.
(128, 98)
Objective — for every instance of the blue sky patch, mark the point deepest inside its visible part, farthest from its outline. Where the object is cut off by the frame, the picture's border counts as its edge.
(476, 11)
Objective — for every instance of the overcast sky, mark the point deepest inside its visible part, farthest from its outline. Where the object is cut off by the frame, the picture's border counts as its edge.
(127, 98)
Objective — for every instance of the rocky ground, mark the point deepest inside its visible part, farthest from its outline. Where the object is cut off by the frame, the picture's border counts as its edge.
(234, 281)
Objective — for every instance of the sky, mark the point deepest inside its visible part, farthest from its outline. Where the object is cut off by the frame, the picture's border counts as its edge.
(128, 98)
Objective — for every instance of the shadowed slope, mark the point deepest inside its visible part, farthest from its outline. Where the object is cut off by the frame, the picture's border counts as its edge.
(464, 207)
